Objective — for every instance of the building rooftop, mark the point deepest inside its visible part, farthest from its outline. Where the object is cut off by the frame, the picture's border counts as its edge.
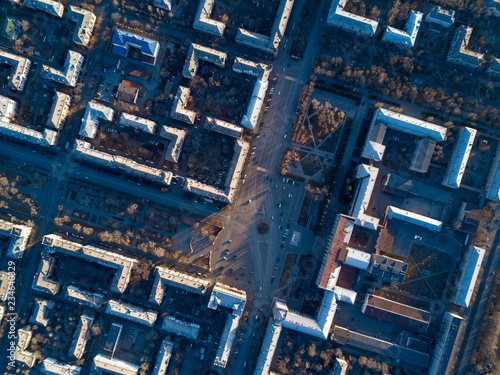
(42, 279)
(413, 218)
(137, 122)
(406, 316)
(85, 21)
(229, 297)
(448, 345)
(123, 40)
(339, 238)
(130, 312)
(269, 344)
(338, 17)
(407, 37)
(51, 366)
(19, 71)
(163, 358)
(203, 22)
(416, 359)
(357, 258)
(259, 70)
(233, 177)
(59, 110)
(22, 342)
(494, 68)
(180, 327)
(198, 52)
(179, 111)
(367, 175)
(251, 117)
(46, 138)
(226, 340)
(122, 264)
(422, 156)
(388, 269)
(164, 4)
(441, 16)
(127, 93)
(459, 53)
(165, 276)
(42, 308)
(51, 7)
(4, 285)
(268, 43)
(70, 72)
(176, 137)
(82, 333)
(84, 297)
(19, 235)
(469, 272)
(85, 151)
(93, 113)
(8, 109)
(461, 151)
(223, 127)
(493, 181)
(407, 187)
(112, 366)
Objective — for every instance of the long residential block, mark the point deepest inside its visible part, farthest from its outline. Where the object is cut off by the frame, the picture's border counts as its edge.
(122, 264)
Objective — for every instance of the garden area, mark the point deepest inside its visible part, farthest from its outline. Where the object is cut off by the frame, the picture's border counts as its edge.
(428, 270)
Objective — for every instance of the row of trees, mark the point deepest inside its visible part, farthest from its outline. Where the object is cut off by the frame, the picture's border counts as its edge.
(399, 87)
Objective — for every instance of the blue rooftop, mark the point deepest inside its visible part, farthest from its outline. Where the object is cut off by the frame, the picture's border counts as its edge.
(121, 38)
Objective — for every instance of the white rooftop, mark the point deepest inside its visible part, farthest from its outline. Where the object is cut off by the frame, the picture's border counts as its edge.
(338, 17)
(405, 38)
(51, 366)
(69, 74)
(85, 151)
(137, 122)
(122, 264)
(82, 333)
(52, 7)
(179, 111)
(198, 52)
(367, 175)
(203, 22)
(163, 358)
(357, 258)
(413, 218)
(18, 234)
(223, 127)
(93, 112)
(180, 327)
(113, 366)
(461, 151)
(59, 109)
(469, 272)
(20, 69)
(493, 182)
(85, 21)
(130, 312)
(228, 296)
(176, 137)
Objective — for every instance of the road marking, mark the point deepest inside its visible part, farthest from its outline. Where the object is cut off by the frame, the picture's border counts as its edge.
(292, 79)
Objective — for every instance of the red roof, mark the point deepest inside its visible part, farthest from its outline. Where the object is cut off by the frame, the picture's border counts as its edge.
(347, 277)
(331, 261)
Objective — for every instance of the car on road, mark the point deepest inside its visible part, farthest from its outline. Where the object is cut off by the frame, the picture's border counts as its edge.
(290, 196)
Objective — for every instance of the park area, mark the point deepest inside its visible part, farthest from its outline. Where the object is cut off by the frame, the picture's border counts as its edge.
(159, 231)
(21, 186)
(428, 270)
